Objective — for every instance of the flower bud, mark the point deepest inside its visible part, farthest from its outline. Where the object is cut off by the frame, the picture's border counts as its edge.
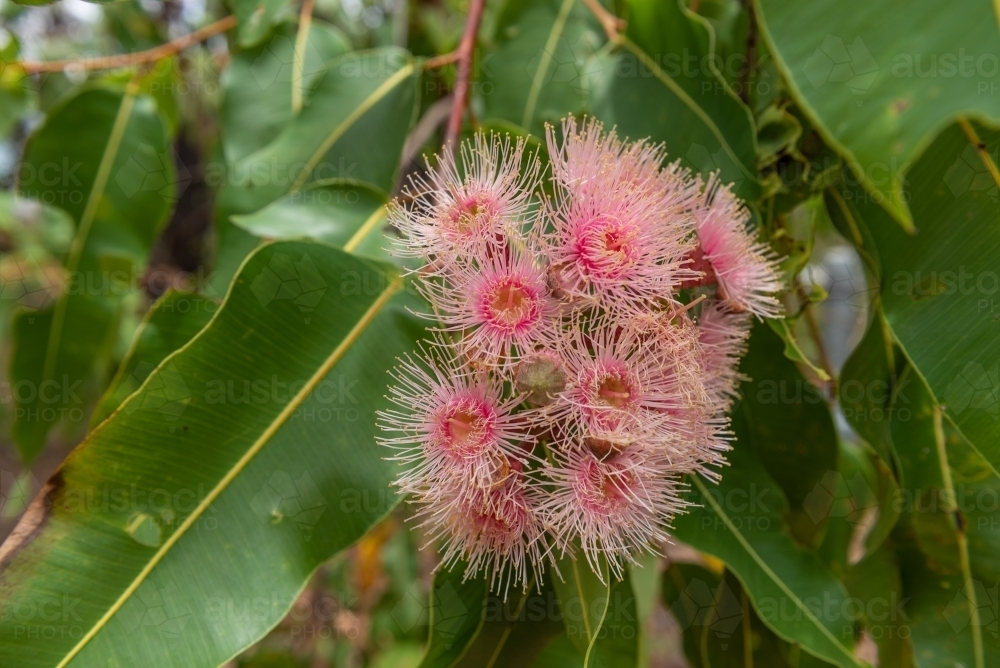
(603, 447)
(540, 376)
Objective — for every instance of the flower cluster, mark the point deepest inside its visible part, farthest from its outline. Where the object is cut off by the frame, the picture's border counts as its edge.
(586, 348)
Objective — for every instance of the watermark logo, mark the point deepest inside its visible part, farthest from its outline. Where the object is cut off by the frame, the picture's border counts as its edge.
(836, 62)
(165, 392)
(969, 174)
(16, 492)
(149, 170)
(705, 162)
(32, 285)
(160, 607)
(980, 610)
(283, 497)
(701, 605)
(284, 278)
(834, 496)
(276, 63)
(975, 388)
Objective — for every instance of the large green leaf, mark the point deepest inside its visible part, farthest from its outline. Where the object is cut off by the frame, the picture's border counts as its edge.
(740, 522)
(940, 285)
(536, 70)
(116, 180)
(352, 130)
(879, 80)
(245, 460)
(651, 89)
(172, 321)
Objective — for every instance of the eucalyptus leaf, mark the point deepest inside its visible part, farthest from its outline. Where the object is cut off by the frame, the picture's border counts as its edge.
(352, 131)
(536, 71)
(939, 286)
(880, 80)
(117, 182)
(245, 460)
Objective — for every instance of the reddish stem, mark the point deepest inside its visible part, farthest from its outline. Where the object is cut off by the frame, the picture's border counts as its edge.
(465, 53)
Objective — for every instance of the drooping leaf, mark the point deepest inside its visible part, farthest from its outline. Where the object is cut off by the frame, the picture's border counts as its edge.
(515, 629)
(171, 322)
(875, 583)
(939, 286)
(878, 84)
(792, 431)
(651, 89)
(869, 394)
(117, 182)
(245, 460)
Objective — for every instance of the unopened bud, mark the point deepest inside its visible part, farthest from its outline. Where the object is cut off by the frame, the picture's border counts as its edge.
(540, 376)
(697, 261)
(603, 447)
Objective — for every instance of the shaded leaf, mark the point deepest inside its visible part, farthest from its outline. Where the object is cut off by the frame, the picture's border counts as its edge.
(651, 90)
(782, 580)
(117, 182)
(878, 84)
(352, 130)
(939, 286)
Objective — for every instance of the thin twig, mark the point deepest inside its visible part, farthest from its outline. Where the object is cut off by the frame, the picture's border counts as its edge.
(612, 24)
(441, 61)
(129, 59)
(298, 64)
(466, 49)
(817, 335)
(751, 48)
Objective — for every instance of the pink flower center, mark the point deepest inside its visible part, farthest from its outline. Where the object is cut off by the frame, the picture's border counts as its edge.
(606, 247)
(606, 391)
(469, 218)
(510, 303)
(465, 427)
(603, 487)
